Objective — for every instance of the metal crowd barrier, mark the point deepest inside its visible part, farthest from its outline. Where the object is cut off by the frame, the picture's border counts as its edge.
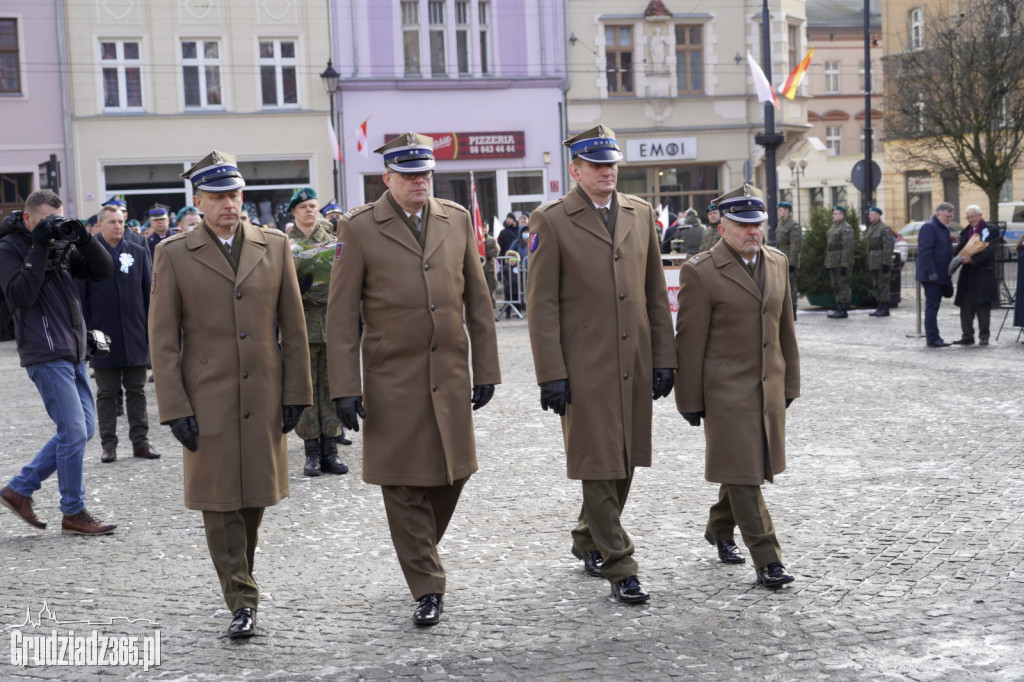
(510, 298)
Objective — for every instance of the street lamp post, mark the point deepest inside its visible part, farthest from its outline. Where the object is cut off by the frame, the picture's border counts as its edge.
(797, 169)
(330, 79)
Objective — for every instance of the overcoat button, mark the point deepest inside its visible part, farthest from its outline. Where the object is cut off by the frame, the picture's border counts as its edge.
(242, 335)
(426, 267)
(432, 306)
(245, 375)
(433, 388)
(625, 336)
(246, 415)
(622, 296)
(433, 348)
(238, 295)
(626, 375)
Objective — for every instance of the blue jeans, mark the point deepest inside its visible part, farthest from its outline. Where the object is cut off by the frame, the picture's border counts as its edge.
(67, 395)
(932, 299)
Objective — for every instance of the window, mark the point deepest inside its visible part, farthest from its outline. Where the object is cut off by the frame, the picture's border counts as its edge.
(689, 58)
(832, 78)
(277, 73)
(677, 186)
(10, 69)
(618, 49)
(435, 11)
(862, 76)
(411, 36)
(122, 75)
(484, 10)
(200, 72)
(834, 140)
(525, 189)
(917, 29)
(793, 45)
(462, 36)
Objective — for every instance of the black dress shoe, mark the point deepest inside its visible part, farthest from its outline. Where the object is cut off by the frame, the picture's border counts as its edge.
(774, 575)
(630, 591)
(728, 552)
(243, 623)
(965, 341)
(109, 455)
(938, 344)
(430, 609)
(591, 561)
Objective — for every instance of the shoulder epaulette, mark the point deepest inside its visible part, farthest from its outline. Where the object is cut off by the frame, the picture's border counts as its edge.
(452, 204)
(174, 238)
(772, 248)
(357, 210)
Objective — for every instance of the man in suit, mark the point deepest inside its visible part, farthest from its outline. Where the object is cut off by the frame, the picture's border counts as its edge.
(229, 384)
(739, 369)
(934, 251)
(976, 288)
(119, 307)
(601, 334)
(410, 262)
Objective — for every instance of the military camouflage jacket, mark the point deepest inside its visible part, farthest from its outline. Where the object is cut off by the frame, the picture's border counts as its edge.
(789, 239)
(881, 242)
(839, 246)
(316, 315)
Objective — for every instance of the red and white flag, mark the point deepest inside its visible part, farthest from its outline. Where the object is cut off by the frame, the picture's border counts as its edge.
(478, 225)
(361, 143)
(333, 137)
(765, 93)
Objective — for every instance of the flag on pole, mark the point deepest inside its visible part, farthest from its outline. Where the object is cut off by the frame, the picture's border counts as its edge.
(795, 77)
(478, 224)
(765, 93)
(333, 137)
(362, 146)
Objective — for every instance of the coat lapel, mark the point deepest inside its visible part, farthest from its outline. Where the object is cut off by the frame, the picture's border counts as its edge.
(439, 224)
(732, 269)
(207, 253)
(771, 272)
(393, 226)
(625, 219)
(253, 251)
(584, 216)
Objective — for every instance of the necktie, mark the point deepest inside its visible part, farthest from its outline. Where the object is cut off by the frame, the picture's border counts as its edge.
(750, 266)
(604, 213)
(415, 221)
(227, 247)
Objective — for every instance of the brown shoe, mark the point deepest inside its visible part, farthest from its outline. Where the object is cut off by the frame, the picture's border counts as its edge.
(109, 455)
(144, 451)
(84, 523)
(20, 505)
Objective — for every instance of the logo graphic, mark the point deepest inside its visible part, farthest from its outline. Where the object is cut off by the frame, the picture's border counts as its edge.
(337, 250)
(534, 241)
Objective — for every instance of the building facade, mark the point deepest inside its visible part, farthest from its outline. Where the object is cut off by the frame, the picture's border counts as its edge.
(484, 78)
(672, 80)
(156, 86)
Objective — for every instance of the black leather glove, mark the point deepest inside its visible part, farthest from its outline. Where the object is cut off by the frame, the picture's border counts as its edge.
(933, 277)
(185, 430)
(43, 232)
(693, 417)
(305, 283)
(789, 401)
(842, 270)
(885, 269)
(482, 395)
(555, 395)
(290, 414)
(348, 409)
(792, 268)
(663, 380)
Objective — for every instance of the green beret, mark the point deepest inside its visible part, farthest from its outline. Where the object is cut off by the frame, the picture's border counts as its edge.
(302, 194)
(875, 209)
(785, 204)
(839, 208)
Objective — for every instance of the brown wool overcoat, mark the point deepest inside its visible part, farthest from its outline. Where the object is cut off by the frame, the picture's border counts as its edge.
(229, 372)
(416, 385)
(738, 362)
(599, 316)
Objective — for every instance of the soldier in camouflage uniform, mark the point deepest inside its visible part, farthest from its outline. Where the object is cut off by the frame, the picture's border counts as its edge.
(880, 242)
(839, 260)
(711, 235)
(319, 426)
(788, 239)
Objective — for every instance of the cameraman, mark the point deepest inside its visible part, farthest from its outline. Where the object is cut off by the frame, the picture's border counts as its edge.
(40, 253)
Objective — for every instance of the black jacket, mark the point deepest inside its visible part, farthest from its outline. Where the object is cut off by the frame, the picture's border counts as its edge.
(976, 283)
(39, 287)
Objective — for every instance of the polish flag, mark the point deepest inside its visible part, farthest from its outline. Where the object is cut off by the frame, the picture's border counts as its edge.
(333, 137)
(765, 93)
(362, 145)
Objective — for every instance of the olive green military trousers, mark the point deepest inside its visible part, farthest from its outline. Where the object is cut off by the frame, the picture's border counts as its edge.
(743, 506)
(600, 528)
(231, 538)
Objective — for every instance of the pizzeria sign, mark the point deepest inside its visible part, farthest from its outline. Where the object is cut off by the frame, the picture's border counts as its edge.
(498, 145)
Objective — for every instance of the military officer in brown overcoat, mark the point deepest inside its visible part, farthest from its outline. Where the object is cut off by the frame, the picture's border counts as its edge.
(226, 390)
(601, 333)
(739, 369)
(411, 261)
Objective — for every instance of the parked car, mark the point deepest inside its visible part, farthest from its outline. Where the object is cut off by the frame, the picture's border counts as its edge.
(902, 249)
(909, 235)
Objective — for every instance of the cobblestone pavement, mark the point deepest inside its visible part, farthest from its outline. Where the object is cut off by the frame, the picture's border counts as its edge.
(900, 515)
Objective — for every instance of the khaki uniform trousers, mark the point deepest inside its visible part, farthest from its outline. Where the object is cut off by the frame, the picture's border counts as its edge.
(418, 517)
(600, 528)
(231, 537)
(743, 506)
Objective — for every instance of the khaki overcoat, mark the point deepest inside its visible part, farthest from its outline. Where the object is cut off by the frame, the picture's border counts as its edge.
(415, 384)
(738, 362)
(229, 372)
(598, 313)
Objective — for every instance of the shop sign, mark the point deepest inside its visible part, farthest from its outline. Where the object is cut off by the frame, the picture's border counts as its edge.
(498, 145)
(661, 149)
(919, 184)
